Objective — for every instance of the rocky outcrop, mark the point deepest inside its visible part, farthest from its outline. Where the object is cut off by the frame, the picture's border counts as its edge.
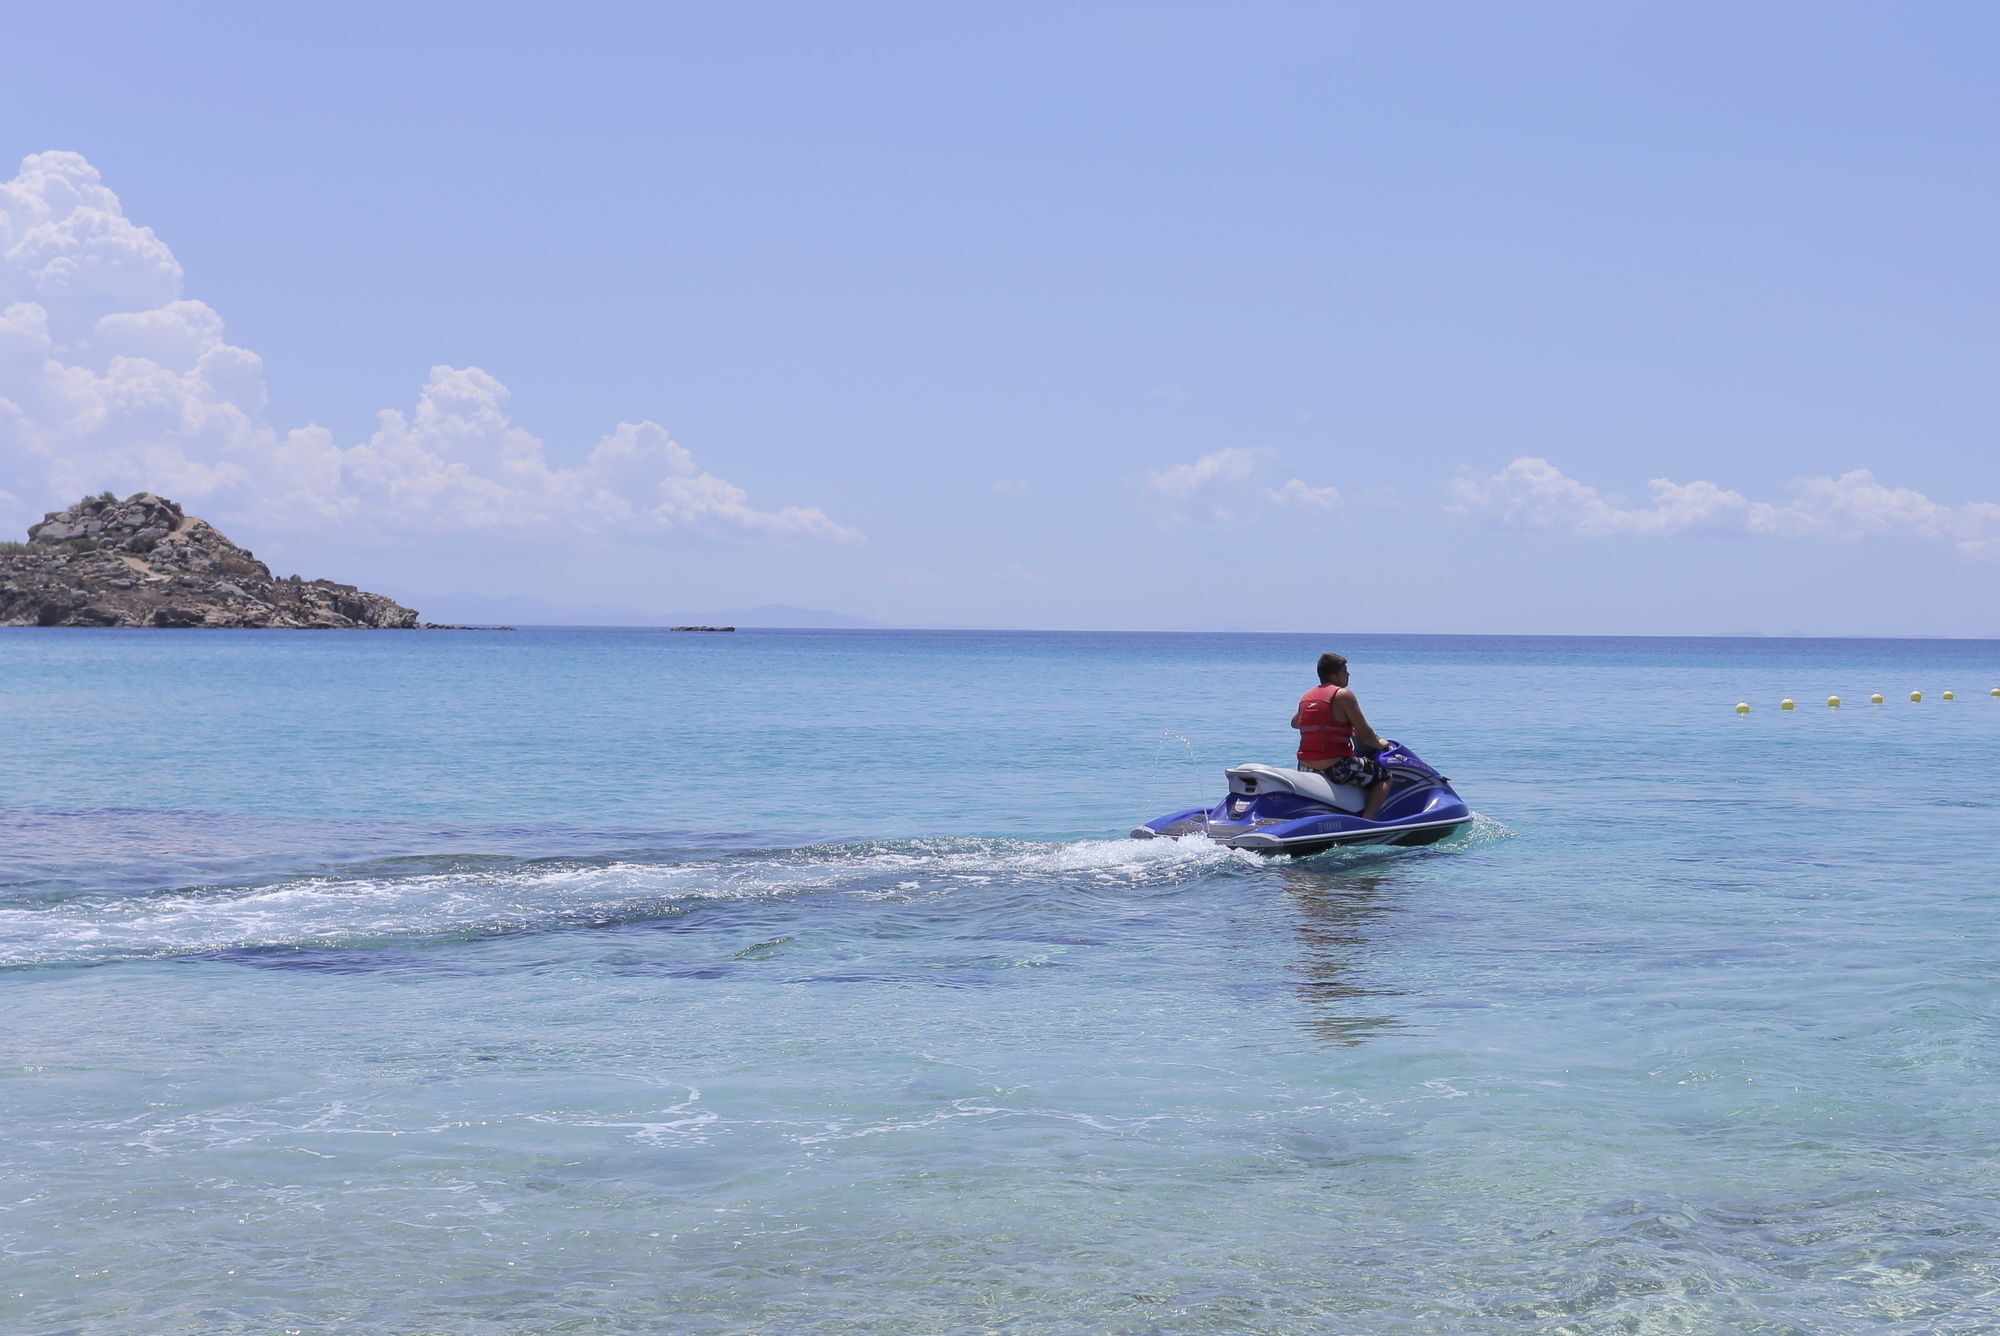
(143, 562)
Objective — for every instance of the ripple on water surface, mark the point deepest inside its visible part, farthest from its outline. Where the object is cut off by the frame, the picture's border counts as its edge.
(365, 993)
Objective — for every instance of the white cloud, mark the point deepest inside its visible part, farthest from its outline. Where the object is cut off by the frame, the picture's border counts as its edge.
(1535, 494)
(1222, 487)
(1179, 482)
(1295, 492)
(1855, 505)
(109, 377)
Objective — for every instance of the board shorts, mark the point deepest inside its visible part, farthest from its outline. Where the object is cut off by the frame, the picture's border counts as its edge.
(1360, 771)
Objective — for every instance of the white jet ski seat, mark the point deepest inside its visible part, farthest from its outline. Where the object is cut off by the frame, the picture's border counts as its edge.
(1255, 779)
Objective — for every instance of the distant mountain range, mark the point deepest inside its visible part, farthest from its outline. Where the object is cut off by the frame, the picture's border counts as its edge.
(490, 610)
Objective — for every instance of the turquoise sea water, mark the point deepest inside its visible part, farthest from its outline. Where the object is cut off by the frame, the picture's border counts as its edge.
(576, 981)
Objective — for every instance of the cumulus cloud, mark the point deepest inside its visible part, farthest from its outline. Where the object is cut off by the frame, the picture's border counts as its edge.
(1178, 482)
(111, 377)
(1221, 484)
(1535, 494)
(1296, 492)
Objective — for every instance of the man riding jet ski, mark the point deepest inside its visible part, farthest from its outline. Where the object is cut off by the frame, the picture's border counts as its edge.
(1375, 793)
(1330, 722)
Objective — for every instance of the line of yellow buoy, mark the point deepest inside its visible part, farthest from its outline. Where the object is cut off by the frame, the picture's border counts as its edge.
(1833, 702)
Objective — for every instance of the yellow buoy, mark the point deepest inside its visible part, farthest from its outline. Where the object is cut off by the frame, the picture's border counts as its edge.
(1785, 704)
(1833, 702)
(1916, 695)
(1875, 699)
(1743, 707)
(1949, 696)
(1994, 692)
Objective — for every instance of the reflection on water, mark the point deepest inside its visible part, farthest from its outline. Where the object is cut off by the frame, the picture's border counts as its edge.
(1339, 915)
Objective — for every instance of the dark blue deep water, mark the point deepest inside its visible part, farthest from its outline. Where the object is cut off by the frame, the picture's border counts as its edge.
(802, 982)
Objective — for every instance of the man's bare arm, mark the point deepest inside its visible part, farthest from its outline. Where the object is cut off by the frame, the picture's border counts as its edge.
(1365, 736)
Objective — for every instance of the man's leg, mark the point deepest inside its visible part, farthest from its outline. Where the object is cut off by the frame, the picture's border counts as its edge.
(1377, 792)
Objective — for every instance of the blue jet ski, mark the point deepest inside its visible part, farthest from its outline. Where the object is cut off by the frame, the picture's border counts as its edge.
(1270, 810)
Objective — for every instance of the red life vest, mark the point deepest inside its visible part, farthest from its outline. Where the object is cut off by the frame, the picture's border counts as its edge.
(1321, 736)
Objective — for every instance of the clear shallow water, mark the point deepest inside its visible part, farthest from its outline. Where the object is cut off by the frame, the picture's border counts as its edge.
(799, 982)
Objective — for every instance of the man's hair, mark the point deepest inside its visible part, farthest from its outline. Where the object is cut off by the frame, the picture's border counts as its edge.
(1330, 667)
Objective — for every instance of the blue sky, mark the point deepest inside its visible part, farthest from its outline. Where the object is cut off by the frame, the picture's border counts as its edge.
(1102, 315)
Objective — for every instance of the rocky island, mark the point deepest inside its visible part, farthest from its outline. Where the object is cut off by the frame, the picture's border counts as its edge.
(143, 562)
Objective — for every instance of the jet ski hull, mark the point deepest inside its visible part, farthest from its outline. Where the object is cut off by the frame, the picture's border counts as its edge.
(1297, 814)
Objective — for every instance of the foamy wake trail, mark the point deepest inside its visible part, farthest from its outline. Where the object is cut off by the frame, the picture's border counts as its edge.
(369, 908)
